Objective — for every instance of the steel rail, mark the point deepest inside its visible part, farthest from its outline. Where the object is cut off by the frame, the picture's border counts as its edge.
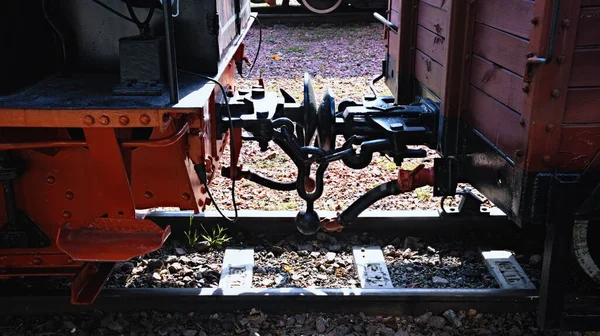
(275, 223)
(278, 300)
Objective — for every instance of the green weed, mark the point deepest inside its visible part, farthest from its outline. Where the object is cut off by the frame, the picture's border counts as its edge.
(191, 235)
(217, 238)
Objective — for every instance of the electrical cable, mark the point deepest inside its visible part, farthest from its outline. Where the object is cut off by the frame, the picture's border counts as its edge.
(231, 144)
(260, 27)
(108, 8)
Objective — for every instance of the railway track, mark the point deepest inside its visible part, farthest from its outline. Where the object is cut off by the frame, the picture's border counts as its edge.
(376, 295)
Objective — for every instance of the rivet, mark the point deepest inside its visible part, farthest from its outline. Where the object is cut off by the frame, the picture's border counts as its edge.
(526, 88)
(69, 195)
(50, 179)
(70, 261)
(547, 159)
(201, 202)
(144, 119)
(518, 153)
(66, 214)
(104, 120)
(522, 122)
(555, 93)
(123, 120)
(467, 57)
(148, 195)
(88, 120)
(535, 20)
(561, 59)
(566, 23)
(185, 196)
(36, 261)
(549, 128)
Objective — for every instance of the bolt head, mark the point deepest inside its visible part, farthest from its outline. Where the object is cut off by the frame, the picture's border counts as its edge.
(148, 195)
(37, 261)
(123, 120)
(104, 120)
(555, 93)
(518, 153)
(535, 20)
(522, 122)
(526, 88)
(50, 179)
(69, 195)
(547, 159)
(66, 214)
(88, 120)
(549, 127)
(185, 196)
(200, 202)
(566, 23)
(145, 119)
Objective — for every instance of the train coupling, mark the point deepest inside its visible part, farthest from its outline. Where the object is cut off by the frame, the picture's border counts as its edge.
(315, 133)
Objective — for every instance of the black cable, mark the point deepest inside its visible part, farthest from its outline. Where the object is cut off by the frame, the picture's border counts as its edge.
(231, 144)
(259, 48)
(108, 8)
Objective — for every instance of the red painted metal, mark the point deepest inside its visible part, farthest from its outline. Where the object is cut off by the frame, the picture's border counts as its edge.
(89, 281)
(111, 239)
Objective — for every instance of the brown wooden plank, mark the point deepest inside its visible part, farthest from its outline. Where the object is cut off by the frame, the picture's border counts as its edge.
(545, 102)
(433, 18)
(428, 72)
(512, 16)
(585, 70)
(444, 4)
(578, 146)
(583, 106)
(432, 45)
(588, 29)
(501, 48)
(498, 123)
(497, 82)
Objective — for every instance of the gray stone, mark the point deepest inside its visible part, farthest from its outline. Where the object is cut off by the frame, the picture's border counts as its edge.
(401, 333)
(535, 260)
(116, 326)
(190, 333)
(451, 316)
(175, 267)
(277, 250)
(515, 331)
(180, 251)
(423, 318)
(321, 236)
(320, 325)
(185, 260)
(154, 264)
(305, 247)
(335, 247)
(126, 267)
(202, 246)
(436, 322)
(439, 280)
(171, 259)
(385, 331)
